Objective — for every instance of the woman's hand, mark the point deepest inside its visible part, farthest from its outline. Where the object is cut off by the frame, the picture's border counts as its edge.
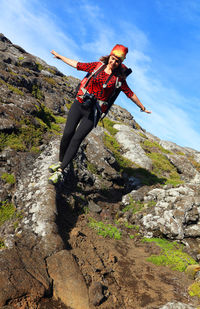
(145, 111)
(56, 55)
(71, 62)
(135, 99)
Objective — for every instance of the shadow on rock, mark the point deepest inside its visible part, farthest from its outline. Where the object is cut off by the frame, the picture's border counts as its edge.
(67, 212)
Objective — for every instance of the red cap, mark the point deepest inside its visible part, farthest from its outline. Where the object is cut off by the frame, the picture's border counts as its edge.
(119, 51)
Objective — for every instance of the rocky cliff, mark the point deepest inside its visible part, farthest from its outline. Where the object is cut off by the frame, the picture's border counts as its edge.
(122, 228)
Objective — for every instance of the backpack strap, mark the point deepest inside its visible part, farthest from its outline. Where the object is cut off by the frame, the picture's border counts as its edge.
(80, 91)
(94, 73)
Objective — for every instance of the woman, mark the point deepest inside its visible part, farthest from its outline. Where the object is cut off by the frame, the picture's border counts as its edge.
(99, 88)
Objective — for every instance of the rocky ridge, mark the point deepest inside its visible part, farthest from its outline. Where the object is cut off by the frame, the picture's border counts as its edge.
(122, 176)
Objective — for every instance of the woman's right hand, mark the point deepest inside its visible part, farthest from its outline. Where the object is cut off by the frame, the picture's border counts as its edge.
(56, 55)
(72, 63)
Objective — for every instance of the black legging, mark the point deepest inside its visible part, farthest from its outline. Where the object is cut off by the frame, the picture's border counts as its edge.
(79, 123)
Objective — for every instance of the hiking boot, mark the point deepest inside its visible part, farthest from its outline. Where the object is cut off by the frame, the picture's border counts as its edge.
(54, 167)
(55, 178)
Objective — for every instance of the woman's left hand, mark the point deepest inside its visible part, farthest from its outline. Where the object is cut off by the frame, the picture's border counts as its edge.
(135, 99)
(146, 111)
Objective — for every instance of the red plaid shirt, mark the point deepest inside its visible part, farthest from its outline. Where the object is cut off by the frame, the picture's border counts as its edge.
(95, 85)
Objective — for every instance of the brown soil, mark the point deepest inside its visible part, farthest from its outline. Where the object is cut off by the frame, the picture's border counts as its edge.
(120, 265)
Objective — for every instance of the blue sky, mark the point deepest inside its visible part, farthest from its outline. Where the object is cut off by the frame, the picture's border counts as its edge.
(163, 38)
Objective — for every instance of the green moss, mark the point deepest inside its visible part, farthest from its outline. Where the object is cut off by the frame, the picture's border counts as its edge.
(20, 58)
(92, 168)
(151, 204)
(180, 153)
(50, 81)
(60, 119)
(12, 88)
(30, 134)
(128, 225)
(16, 223)
(174, 182)
(124, 165)
(45, 114)
(108, 125)
(69, 103)
(142, 135)
(35, 149)
(39, 66)
(105, 230)
(194, 289)
(47, 120)
(160, 163)
(15, 90)
(2, 244)
(7, 211)
(13, 73)
(171, 255)
(162, 166)
(134, 206)
(55, 127)
(11, 140)
(149, 146)
(194, 163)
(37, 93)
(51, 71)
(8, 178)
(137, 126)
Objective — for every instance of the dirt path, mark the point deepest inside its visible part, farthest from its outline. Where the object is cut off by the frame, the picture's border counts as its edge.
(129, 281)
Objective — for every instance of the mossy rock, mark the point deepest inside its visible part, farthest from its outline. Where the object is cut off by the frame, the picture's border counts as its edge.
(108, 125)
(191, 271)
(194, 289)
(172, 255)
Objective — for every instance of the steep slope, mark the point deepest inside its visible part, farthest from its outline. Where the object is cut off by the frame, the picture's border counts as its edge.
(125, 184)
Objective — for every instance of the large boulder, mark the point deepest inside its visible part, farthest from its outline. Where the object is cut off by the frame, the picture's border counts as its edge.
(69, 285)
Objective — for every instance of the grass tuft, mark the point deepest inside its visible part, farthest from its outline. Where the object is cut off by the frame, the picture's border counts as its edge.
(172, 255)
(105, 230)
(8, 178)
(108, 125)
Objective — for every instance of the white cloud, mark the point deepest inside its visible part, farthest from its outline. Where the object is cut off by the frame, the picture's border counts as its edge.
(30, 25)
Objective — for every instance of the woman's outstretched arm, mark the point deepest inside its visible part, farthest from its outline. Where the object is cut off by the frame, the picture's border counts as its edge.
(71, 62)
